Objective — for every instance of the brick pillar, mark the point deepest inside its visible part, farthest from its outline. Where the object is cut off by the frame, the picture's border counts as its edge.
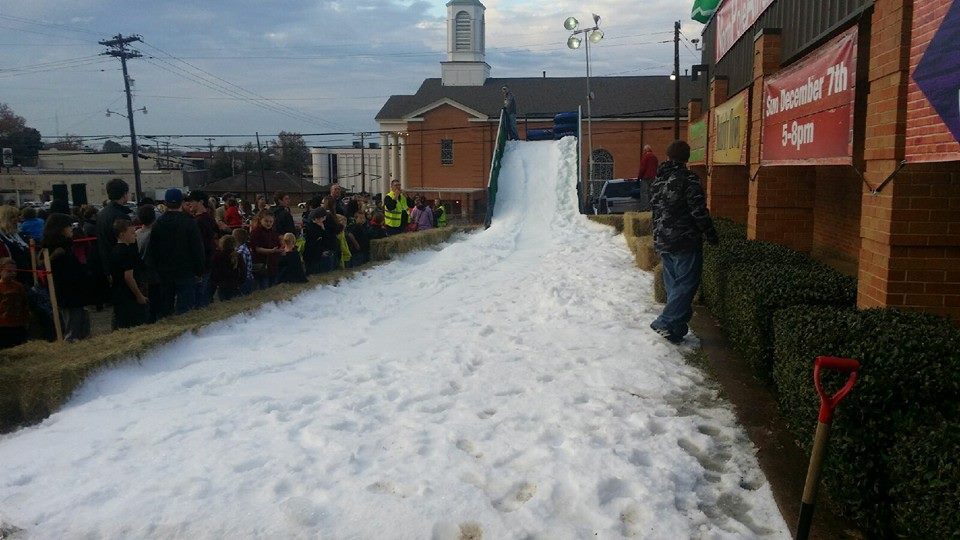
(780, 200)
(910, 231)
(694, 110)
(726, 184)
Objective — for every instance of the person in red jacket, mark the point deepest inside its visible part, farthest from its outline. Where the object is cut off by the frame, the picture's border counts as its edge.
(645, 177)
(648, 164)
(231, 216)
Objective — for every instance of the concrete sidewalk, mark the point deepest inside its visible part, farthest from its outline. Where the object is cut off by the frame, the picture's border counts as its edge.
(783, 462)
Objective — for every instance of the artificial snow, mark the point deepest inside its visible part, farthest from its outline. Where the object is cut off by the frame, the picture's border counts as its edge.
(506, 386)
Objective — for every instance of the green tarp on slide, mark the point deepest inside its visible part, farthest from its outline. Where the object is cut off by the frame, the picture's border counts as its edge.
(703, 10)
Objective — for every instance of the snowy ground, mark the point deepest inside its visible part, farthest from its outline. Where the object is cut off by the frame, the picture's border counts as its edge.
(507, 385)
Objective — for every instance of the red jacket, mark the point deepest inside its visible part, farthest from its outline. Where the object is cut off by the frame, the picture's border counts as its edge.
(648, 167)
(231, 216)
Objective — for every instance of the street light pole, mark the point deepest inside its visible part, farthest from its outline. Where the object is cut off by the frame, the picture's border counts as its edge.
(593, 35)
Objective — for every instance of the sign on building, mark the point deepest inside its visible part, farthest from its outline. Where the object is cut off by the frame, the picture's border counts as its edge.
(697, 138)
(8, 157)
(734, 18)
(730, 120)
(933, 99)
(808, 107)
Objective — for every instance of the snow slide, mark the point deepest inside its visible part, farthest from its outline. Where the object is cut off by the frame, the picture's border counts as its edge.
(505, 386)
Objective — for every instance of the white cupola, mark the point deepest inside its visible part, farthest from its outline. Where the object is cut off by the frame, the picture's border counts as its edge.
(466, 48)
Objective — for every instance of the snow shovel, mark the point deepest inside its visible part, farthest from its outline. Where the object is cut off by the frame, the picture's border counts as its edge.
(828, 404)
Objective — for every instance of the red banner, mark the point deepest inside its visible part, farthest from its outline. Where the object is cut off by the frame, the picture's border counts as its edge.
(734, 18)
(808, 107)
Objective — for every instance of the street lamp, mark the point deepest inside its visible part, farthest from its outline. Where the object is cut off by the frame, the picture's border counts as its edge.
(133, 146)
(593, 35)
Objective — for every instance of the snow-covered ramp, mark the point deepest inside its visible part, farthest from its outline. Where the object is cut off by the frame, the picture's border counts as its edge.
(506, 385)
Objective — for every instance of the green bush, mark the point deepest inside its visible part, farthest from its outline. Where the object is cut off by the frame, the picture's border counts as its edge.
(910, 370)
(754, 292)
(736, 251)
(925, 479)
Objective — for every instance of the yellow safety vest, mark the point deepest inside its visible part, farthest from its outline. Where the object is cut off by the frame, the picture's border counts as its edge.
(442, 219)
(392, 218)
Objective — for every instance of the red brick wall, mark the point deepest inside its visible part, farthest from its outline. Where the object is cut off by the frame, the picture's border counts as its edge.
(836, 218)
(471, 150)
(926, 133)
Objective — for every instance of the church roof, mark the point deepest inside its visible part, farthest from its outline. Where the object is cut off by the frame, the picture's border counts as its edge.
(614, 97)
(464, 3)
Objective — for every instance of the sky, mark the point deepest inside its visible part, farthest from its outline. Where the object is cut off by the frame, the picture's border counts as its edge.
(236, 67)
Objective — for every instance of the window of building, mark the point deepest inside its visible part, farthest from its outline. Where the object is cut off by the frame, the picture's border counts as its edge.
(602, 165)
(462, 33)
(446, 152)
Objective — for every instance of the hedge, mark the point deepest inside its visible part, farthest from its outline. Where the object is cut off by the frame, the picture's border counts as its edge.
(735, 251)
(882, 457)
(754, 292)
(925, 479)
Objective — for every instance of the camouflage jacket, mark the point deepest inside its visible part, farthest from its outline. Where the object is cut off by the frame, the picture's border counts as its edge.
(680, 217)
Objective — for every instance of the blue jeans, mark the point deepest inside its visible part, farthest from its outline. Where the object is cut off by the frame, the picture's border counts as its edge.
(175, 296)
(681, 277)
(204, 291)
(512, 133)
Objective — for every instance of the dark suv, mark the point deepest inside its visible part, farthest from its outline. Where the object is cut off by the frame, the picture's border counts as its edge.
(624, 195)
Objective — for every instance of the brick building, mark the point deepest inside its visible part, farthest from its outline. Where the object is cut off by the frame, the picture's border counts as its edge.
(440, 141)
(848, 149)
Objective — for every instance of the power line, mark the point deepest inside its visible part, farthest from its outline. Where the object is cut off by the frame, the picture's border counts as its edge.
(238, 87)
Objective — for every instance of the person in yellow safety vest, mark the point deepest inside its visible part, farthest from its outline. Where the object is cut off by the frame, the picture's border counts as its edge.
(439, 214)
(395, 206)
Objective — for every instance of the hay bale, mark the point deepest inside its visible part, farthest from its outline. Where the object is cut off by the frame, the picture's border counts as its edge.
(659, 290)
(637, 224)
(611, 220)
(385, 248)
(647, 257)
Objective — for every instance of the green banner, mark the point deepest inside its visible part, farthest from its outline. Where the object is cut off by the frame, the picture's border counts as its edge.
(493, 184)
(697, 138)
(703, 10)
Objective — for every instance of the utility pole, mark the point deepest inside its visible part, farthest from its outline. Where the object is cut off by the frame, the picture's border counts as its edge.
(263, 179)
(210, 142)
(363, 163)
(119, 48)
(676, 81)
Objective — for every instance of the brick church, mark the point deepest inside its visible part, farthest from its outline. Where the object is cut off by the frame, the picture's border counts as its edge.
(440, 140)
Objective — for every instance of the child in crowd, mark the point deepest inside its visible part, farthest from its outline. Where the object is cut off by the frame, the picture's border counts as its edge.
(376, 230)
(71, 283)
(229, 272)
(126, 269)
(344, 243)
(243, 236)
(14, 310)
(265, 245)
(291, 265)
(31, 227)
(359, 231)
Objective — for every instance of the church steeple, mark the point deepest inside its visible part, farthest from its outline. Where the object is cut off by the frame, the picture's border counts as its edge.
(466, 48)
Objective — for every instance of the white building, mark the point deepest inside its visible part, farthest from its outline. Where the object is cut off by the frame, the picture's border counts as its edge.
(342, 166)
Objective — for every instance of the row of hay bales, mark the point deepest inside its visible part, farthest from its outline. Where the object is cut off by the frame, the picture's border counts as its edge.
(38, 377)
(637, 228)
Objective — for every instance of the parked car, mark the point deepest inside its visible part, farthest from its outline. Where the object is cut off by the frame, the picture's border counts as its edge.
(617, 197)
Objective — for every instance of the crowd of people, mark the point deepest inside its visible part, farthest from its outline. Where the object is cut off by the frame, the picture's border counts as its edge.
(169, 257)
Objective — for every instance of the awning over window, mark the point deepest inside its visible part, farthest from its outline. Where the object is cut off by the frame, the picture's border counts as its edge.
(703, 10)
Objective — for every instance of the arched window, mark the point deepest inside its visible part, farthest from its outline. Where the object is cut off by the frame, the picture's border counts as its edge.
(602, 165)
(462, 33)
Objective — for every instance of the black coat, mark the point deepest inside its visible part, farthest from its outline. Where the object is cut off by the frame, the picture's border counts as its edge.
(70, 278)
(680, 217)
(176, 249)
(285, 223)
(313, 236)
(106, 238)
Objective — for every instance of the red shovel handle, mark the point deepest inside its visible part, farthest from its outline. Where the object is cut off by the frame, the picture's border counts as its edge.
(829, 403)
